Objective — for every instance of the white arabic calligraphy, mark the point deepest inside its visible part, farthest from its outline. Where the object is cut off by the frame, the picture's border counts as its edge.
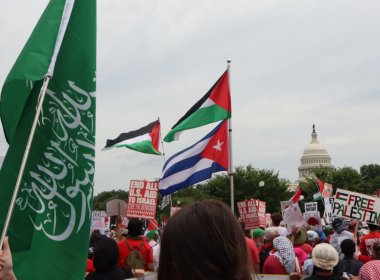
(58, 189)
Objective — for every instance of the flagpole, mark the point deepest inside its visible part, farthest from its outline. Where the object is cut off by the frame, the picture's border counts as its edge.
(230, 166)
(162, 142)
(24, 159)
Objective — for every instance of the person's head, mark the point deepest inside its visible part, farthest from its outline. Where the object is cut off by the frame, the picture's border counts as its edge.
(258, 235)
(312, 236)
(285, 249)
(301, 236)
(339, 225)
(203, 241)
(325, 257)
(348, 247)
(135, 227)
(373, 227)
(276, 219)
(376, 250)
(270, 234)
(106, 255)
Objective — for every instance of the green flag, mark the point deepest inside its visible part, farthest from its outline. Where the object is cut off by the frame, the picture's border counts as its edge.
(50, 226)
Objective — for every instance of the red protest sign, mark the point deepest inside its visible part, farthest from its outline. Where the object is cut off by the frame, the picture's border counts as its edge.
(142, 199)
(253, 213)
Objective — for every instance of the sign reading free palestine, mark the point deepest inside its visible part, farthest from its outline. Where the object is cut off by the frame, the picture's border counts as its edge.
(357, 206)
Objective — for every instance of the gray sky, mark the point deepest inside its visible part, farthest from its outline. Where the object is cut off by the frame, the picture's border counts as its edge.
(294, 63)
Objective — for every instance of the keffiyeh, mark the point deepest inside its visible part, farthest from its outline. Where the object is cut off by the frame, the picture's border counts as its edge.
(285, 253)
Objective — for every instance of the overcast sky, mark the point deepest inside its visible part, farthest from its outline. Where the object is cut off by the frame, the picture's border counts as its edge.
(294, 63)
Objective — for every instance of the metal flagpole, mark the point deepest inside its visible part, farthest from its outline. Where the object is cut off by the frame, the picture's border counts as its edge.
(162, 143)
(24, 159)
(230, 166)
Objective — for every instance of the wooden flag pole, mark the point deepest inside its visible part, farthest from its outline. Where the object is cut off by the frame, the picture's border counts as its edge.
(24, 159)
(230, 165)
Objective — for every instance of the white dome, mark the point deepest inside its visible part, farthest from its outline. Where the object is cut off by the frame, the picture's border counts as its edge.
(314, 155)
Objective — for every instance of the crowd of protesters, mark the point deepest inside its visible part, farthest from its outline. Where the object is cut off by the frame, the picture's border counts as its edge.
(205, 240)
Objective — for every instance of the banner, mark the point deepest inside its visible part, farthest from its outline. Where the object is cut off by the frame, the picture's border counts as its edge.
(357, 206)
(253, 213)
(311, 206)
(98, 221)
(142, 199)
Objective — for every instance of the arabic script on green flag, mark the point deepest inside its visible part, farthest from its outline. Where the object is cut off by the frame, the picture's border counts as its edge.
(50, 226)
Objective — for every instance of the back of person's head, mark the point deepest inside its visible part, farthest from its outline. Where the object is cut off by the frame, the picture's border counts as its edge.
(276, 219)
(106, 255)
(94, 238)
(348, 247)
(301, 236)
(339, 225)
(270, 234)
(135, 227)
(372, 227)
(203, 241)
(325, 257)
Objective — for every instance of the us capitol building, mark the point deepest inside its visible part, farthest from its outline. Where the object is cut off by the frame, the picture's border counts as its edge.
(314, 155)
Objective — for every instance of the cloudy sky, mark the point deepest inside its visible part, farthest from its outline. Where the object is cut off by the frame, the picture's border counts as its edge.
(294, 63)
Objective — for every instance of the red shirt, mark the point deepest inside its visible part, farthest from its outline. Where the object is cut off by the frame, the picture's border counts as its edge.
(366, 242)
(273, 266)
(146, 251)
(252, 250)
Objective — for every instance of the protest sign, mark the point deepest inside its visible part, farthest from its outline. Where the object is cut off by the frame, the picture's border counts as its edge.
(98, 221)
(311, 206)
(249, 213)
(268, 220)
(293, 217)
(329, 215)
(327, 190)
(284, 205)
(357, 206)
(142, 199)
(261, 209)
(312, 218)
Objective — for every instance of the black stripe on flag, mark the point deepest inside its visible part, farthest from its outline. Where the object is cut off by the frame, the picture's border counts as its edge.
(132, 134)
(197, 105)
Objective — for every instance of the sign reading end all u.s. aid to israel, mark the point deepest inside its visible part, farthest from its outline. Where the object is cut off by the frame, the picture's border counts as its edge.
(357, 206)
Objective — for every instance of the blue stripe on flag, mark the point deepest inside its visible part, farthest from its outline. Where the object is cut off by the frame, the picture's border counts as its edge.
(195, 178)
(182, 165)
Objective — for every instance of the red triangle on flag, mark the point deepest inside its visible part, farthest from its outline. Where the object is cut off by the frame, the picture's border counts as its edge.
(217, 147)
(221, 92)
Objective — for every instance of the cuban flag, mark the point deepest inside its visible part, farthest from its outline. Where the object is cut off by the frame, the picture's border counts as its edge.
(196, 163)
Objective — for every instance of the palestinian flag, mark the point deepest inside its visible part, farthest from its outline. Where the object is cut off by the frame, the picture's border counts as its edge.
(144, 140)
(297, 196)
(214, 106)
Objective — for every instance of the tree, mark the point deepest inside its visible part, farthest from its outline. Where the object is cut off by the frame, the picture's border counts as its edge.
(102, 198)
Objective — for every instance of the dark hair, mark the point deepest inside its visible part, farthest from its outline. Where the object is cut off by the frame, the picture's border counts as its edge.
(106, 255)
(135, 227)
(348, 247)
(276, 219)
(372, 227)
(203, 241)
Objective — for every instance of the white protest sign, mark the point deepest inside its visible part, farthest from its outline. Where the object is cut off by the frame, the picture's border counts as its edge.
(98, 221)
(311, 206)
(293, 217)
(284, 205)
(329, 215)
(357, 206)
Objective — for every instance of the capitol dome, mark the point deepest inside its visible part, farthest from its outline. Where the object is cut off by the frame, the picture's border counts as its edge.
(314, 155)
